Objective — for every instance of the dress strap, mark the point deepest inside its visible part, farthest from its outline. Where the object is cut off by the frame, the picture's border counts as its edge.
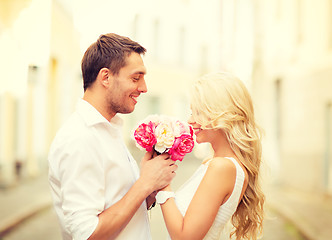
(206, 162)
(237, 165)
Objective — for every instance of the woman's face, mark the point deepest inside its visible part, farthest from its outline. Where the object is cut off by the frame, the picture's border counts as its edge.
(203, 135)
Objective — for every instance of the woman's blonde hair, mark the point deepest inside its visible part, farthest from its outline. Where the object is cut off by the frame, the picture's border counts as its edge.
(221, 101)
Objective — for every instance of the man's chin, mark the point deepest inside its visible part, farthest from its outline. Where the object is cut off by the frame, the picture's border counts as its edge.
(127, 111)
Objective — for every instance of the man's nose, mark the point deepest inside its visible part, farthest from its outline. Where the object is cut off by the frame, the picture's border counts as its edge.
(142, 87)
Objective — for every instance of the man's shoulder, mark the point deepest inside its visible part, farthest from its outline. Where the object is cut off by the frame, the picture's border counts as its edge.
(73, 124)
(74, 129)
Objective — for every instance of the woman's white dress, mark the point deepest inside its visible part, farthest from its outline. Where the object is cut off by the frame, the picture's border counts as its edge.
(185, 194)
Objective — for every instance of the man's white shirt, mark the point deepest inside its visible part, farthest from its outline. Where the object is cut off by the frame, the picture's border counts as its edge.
(90, 169)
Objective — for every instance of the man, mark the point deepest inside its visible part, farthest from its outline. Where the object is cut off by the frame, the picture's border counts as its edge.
(97, 188)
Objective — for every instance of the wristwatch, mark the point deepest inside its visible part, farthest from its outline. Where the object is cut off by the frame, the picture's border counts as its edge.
(162, 196)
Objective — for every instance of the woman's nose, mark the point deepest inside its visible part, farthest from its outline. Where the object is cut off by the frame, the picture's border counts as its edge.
(191, 120)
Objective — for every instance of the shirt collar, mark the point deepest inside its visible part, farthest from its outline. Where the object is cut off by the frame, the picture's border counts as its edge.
(92, 116)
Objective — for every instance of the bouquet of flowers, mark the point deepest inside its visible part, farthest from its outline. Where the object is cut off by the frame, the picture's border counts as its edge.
(165, 134)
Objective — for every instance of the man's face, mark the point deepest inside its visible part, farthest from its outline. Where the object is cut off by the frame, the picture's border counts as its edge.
(126, 87)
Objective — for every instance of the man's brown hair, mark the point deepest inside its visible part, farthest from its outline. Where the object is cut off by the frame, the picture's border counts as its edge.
(109, 51)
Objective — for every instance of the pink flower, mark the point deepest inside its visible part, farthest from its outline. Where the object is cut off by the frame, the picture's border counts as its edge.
(183, 128)
(191, 130)
(182, 145)
(165, 134)
(145, 137)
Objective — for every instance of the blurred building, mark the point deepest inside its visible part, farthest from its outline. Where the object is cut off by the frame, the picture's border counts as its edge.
(183, 41)
(281, 49)
(292, 86)
(39, 64)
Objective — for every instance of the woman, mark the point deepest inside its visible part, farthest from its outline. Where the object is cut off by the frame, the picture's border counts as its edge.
(227, 185)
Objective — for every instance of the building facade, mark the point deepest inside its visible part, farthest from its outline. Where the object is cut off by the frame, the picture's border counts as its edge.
(292, 85)
(281, 49)
(39, 62)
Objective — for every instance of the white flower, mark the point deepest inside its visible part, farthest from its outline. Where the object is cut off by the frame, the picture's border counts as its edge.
(165, 136)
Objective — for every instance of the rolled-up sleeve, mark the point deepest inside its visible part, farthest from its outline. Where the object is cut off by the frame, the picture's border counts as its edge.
(80, 169)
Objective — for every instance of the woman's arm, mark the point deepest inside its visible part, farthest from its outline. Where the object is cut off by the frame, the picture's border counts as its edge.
(214, 189)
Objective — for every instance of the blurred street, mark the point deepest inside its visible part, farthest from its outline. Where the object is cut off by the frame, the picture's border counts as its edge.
(42, 223)
(44, 226)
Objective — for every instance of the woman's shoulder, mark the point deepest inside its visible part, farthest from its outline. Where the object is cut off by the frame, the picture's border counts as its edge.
(222, 173)
(223, 166)
(220, 162)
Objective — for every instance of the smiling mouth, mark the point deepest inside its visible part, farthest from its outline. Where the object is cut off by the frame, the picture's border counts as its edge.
(197, 130)
(134, 98)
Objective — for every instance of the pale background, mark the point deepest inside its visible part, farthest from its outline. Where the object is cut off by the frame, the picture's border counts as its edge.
(281, 49)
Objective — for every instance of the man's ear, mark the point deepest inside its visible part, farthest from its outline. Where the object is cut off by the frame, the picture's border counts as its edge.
(103, 76)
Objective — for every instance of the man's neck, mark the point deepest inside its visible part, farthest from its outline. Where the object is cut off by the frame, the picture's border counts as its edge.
(98, 102)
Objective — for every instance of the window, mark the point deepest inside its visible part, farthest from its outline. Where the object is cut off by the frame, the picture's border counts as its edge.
(299, 22)
(156, 38)
(203, 59)
(330, 23)
(135, 26)
(182, 40)
(278, 109)
(327, 166)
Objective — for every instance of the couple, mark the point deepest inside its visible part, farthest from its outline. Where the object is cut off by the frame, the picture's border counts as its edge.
(100, 193)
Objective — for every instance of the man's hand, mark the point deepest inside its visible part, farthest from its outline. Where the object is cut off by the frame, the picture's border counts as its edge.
(157, 172)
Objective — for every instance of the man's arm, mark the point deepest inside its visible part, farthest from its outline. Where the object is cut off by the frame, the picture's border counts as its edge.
(116, 217)
(155, 174)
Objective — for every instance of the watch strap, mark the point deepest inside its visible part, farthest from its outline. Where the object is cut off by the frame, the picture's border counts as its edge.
(162, 196)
